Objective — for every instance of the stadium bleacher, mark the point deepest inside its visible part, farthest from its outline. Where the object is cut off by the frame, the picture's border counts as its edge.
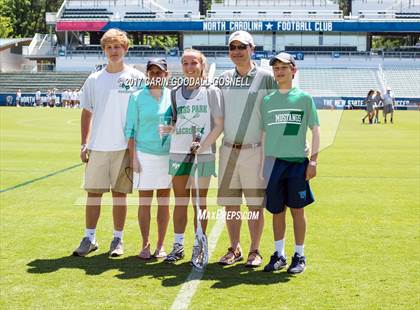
(324, 48)
(219, 48)
(129, 9)
(258, 4)
(29, 82)
(81, 13)
(270, 14)
(96, 49)
(406, 15)
(351, 82)
(404, 6)
(403, 82)
(140, 15)
(415, 49)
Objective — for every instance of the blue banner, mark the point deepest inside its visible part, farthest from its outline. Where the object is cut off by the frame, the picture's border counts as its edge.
(358, 103)
(321, 102)
(269, 26)
(26, 99)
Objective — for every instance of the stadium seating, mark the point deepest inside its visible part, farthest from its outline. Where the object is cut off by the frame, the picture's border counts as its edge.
(347, 82)
(96, 49)
(404, 83)
(29, 82)
(96, 13)
(130, 9)
(415, 49)
(269, 14)
(321, 48)
(351, 82)
(408, 15)
(372, 7)
(219, 48)
(139, 15)
(89, 48)
(257, 5)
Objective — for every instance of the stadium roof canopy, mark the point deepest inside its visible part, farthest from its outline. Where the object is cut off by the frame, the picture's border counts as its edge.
(6, 43)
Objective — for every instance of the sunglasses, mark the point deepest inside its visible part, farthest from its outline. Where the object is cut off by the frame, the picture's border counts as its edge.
(240, 47)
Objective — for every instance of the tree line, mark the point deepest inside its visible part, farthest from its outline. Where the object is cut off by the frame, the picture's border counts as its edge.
(24, 18)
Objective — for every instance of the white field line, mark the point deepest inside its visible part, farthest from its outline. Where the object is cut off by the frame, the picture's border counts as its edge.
(188, 289)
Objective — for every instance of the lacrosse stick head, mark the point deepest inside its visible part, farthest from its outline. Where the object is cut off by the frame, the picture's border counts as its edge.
(202, 258)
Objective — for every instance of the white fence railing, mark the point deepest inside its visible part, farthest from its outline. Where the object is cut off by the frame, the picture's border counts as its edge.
(37, 38)
(381, 77)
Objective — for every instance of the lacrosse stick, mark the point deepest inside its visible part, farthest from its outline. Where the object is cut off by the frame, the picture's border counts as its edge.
(201, 260)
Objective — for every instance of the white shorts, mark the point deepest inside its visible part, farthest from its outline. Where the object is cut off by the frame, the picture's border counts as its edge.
(154, 172)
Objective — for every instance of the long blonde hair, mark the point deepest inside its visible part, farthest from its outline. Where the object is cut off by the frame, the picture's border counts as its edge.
(201, 58)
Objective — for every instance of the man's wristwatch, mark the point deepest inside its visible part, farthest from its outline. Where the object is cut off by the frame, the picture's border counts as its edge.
(83, 147)
(313, 163)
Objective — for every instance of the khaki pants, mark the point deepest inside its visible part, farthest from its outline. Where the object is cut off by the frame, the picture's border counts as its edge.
(239, 176)
(108, 170)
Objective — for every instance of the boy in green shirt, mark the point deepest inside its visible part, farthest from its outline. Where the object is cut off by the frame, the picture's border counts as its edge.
(286, 115)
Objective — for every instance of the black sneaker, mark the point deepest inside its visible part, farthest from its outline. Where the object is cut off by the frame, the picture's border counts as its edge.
(298, 264)
(276, 263)
(176, 254)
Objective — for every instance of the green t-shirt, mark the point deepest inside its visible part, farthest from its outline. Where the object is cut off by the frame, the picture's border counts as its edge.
(285, 120)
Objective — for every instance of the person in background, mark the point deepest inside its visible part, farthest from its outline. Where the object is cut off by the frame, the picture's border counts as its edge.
(378, 105)
(38, 98)
(389, 103)
(370, 103)
(18, 98)
(65, 98)
(48, 98)
(77, 98)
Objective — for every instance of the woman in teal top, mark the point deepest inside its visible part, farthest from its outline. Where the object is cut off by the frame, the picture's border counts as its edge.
(150, 152)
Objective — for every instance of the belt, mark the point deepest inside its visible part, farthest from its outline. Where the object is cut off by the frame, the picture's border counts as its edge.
(241, 146)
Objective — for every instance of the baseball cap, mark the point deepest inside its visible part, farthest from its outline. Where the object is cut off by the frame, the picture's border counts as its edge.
(283, 57)
(242, 36)
(160, 62)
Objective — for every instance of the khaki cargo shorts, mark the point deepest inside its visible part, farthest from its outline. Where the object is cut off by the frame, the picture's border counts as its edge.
(108, 170)
(239, 176)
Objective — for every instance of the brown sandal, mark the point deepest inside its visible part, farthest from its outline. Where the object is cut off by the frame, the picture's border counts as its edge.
(254, 259)
(232, 256)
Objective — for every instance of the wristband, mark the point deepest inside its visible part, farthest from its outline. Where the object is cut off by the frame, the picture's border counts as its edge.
(83, 147)
(313, 163)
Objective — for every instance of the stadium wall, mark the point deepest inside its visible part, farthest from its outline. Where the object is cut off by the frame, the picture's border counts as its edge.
(278, 41)
(27, 99)
(7, 99)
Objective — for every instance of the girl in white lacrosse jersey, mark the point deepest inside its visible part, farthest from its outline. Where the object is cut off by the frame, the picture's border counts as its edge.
(198, 109)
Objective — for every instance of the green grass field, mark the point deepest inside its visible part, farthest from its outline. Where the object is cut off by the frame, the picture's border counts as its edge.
(362, 246)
